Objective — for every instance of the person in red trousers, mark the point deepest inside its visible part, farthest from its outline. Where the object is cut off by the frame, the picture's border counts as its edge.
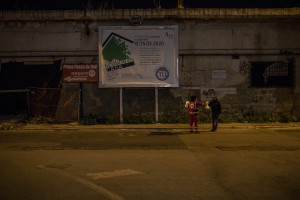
(193, 105)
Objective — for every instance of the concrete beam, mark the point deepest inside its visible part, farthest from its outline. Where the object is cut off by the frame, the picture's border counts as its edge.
(15, 54)
(236, 52)
(152, 14)
(10, 54)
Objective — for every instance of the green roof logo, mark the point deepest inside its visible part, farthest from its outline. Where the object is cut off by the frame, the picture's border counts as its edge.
(115, 51)
(115, 48)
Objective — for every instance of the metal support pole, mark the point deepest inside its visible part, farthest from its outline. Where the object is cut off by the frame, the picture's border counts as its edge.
(28, 102)
(80, 109)
(156, 105)
(121, 105)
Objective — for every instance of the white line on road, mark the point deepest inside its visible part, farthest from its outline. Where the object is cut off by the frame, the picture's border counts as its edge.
(99, 189)
(123, 172)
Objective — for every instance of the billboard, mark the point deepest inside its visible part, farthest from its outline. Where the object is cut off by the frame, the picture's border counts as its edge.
(80, 73)
(138, 56)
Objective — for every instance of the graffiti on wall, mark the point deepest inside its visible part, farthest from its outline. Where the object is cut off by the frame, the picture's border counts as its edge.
(278, 69)
(272, 74)
(209, 93)
(244, 67)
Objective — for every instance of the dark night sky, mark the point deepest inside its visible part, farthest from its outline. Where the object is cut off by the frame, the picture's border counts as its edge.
(134, 4)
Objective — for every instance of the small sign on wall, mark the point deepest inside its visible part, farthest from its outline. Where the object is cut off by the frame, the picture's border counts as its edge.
(218, 74)
(80, 73)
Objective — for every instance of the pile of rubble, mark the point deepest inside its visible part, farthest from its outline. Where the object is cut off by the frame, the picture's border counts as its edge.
(15, 122)
(12, 122)
(7, 126)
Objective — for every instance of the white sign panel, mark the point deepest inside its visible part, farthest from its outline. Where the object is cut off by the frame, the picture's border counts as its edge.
(218, 74)
(138, 56)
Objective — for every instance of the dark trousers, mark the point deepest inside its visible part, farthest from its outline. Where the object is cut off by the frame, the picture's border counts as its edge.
(215, 121)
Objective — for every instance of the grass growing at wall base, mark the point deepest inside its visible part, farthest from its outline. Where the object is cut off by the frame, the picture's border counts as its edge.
(132, 118)
(89, 120)
(254, 117)
(183, 117)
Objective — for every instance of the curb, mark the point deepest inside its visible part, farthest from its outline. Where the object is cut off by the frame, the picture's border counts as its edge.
(77, 127)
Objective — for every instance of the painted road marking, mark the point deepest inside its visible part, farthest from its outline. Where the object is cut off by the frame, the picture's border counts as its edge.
(116, 173)
(97, 188)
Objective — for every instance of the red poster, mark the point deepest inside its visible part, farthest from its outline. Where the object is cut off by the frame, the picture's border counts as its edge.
(80, 73)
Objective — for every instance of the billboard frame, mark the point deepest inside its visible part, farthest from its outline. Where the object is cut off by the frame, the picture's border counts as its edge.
(165, 71)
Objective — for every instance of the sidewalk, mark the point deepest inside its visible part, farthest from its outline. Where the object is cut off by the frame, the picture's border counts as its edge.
(76, 126)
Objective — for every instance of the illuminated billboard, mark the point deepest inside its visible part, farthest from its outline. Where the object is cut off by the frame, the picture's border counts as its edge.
(138, 56)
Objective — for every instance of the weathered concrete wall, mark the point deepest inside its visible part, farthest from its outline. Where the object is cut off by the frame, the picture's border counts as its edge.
(212, 45)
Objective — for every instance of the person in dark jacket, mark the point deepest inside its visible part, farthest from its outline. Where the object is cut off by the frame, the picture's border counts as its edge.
(215, 106)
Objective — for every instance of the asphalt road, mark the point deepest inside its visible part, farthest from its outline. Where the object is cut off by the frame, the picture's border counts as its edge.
(150, 162)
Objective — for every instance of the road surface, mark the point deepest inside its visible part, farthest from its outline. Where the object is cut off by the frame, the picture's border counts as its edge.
(150, 162)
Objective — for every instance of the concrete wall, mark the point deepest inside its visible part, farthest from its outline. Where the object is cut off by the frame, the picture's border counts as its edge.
(212, 45)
